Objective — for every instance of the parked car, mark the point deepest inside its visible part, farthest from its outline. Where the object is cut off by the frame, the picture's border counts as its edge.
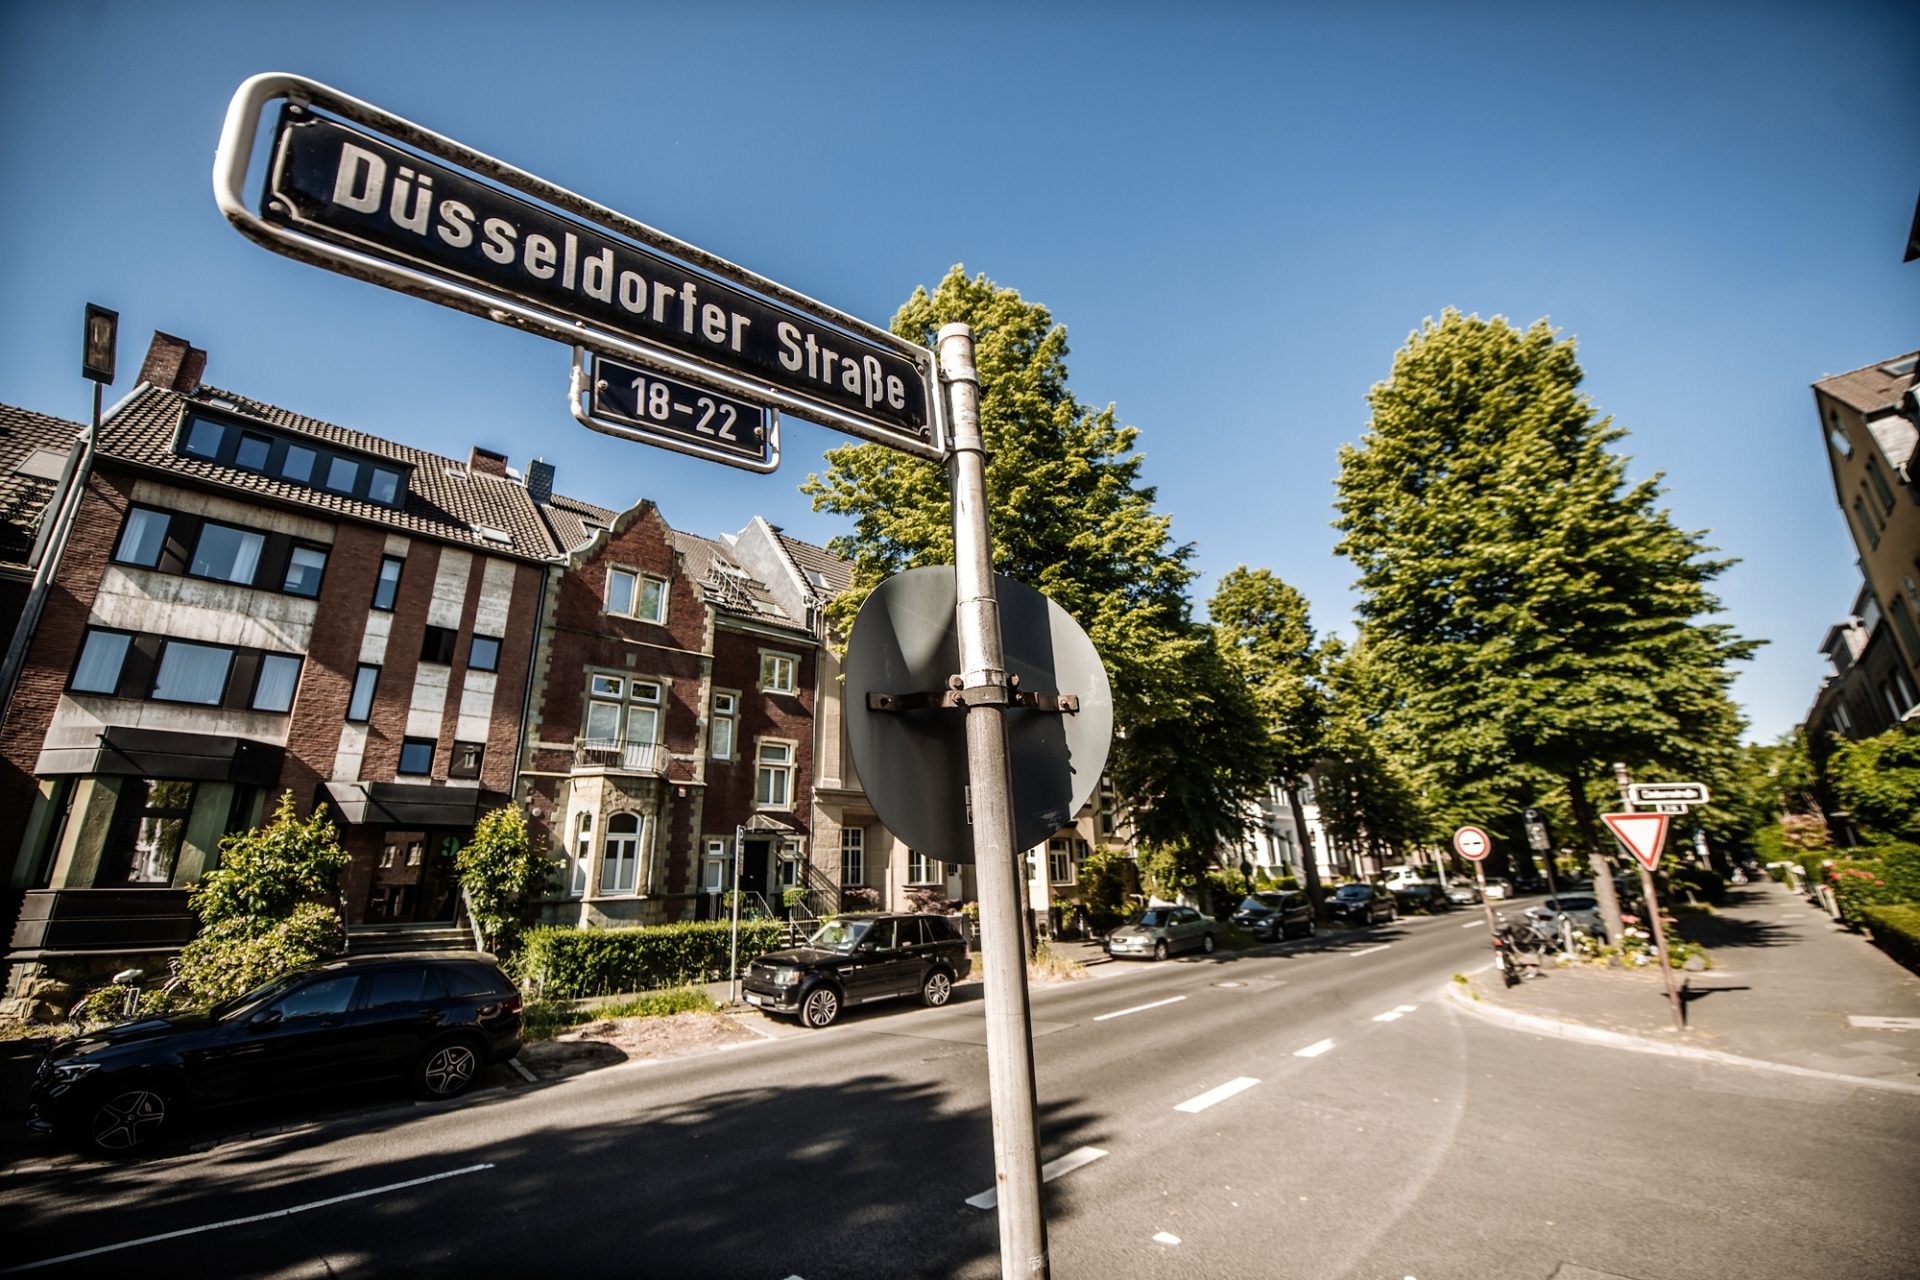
(1498, 890)
(1161, 931)
(1582, 909)
(857, 959)
(1463, 893)
(1360, 904)
(436, 1019)
(1424, 896)
(1275, 914)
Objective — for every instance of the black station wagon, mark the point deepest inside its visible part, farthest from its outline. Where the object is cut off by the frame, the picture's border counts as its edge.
(854, 959)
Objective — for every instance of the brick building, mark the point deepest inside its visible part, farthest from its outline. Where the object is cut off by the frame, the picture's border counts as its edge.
(252, 602)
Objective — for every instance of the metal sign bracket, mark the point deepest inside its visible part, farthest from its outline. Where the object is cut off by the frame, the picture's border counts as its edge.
(954, 696)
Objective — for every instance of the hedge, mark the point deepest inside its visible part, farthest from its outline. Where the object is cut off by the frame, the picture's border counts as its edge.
(1897, 931)
(568, 964)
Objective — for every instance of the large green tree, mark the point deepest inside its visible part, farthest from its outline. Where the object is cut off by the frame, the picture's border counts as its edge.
(1537, 610)
(1070, 517)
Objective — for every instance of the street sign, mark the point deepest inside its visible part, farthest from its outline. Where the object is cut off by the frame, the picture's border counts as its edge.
(908, 738)
(1642, 833)
(636, 403)
(1537, 838)
(1472, 843)
(396, 204)
(1652, 793)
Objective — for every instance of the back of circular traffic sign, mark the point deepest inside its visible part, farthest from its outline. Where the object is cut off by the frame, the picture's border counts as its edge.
(913, 763)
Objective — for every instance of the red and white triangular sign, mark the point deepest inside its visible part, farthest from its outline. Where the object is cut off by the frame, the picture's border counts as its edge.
(1642, 833)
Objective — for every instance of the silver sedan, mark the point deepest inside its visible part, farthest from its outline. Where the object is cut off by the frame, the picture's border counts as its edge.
(1161, 931)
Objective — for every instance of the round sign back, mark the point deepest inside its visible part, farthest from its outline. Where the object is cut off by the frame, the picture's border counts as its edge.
(913, 762)
(1472, 843)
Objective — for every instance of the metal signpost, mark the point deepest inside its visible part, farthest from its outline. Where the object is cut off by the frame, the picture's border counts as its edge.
(1643, 834)
(358, 190)
(1474, 845)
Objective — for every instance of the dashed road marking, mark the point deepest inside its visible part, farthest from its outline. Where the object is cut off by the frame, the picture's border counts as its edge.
(1314, 1050)
(1139, 1008)
(1367, 951)
(1165, 1237)
(1474, 924)
(1076, 1159)
(1394, 1014)
(1239, 1084)
(1883, 1024)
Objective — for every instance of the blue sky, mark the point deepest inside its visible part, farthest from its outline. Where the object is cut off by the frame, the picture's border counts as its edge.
(1239, 212)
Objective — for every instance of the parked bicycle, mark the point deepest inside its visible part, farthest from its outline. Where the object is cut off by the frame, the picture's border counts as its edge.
(1517, 949)
(121, 999)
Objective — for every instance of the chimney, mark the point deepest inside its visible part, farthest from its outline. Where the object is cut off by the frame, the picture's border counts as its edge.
(487, 462)
(174, 364)
(540, 480)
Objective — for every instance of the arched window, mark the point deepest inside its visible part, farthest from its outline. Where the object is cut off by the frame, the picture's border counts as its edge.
(622, 856)
(582, 857)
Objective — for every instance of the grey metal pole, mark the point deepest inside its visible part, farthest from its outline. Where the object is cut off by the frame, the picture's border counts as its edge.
(1010, 1081)
(1625, 779)
(733, 943)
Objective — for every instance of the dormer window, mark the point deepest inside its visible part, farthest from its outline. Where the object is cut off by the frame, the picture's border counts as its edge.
(260, 449)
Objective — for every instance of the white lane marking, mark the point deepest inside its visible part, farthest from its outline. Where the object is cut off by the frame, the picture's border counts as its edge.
(1165, 1237)
(1314, 1050)
(241, 1222)
(1239, 1084)
(1405, 1008)
(1048, 1172)
(1139, 1008)
(1392, 1015)
(1883, 1024)
(1367, 951)
(525, 1074)
(1474, 924)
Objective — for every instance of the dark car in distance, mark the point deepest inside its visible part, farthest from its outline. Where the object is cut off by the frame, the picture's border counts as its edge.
(1422, 897)
(1361, 904)
(858, 958)
(1275, 914)
(436, 1019)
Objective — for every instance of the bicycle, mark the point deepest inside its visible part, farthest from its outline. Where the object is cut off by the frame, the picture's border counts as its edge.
(1516, 950)
(120, 1000)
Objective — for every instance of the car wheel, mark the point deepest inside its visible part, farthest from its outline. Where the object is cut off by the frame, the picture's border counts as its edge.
(1160, 949)
(821, 1007)
(131, 1117)
(937, 989)
(1206, 944)
(446, 1069)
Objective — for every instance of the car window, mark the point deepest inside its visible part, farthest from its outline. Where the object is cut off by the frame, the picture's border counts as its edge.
(884, 935)
(318, 999)
(839, 935)
(913, 932)
(474, 980)
(939, 928)
(406, 985)
(1152, 919)
(1185, 915)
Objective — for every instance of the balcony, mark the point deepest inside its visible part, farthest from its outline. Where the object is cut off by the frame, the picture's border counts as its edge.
(612, 756)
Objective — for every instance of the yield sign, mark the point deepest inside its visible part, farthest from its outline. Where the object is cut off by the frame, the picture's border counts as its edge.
(1642, 833)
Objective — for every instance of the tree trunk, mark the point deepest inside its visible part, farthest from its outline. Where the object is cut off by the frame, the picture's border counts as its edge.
(1586, 823)
(1309, 858)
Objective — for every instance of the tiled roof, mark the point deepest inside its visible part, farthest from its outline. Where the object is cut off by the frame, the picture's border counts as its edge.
(835, 574)
(726, 584)
(444, 499)
(29, 443)
(573, 521)
(1871, 389)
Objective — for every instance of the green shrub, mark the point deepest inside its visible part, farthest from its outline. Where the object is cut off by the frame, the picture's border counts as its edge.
(569, 964)
(502, 875)
(1900, 868)
(226, 960)
(1896, 929)
(265, 873)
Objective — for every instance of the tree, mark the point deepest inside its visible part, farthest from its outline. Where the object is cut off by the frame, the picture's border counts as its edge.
(1877, 780)
(1266, 621)
(269, 906)
(1070, 518)
(1536, 610)
(502, 874)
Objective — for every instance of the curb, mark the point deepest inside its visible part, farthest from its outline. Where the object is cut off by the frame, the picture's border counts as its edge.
(1637, 1044)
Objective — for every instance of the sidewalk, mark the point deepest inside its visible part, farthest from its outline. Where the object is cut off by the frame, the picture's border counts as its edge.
(1788, 987)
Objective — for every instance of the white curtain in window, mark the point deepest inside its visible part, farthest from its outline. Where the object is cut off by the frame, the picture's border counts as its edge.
(100, 661)
(192, 673)
(278, 675)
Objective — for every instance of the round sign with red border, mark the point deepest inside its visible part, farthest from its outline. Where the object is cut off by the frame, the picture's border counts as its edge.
(1472, 843)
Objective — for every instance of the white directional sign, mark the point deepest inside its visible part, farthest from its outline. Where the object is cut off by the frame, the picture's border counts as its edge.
(1652, 793)
(1472, 843)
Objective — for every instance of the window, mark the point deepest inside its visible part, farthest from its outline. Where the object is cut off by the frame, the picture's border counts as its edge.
(102, 654)
(143, 538)
(773, 784)
(410, 985)
(342, 474)
(305, 565)
(227, 554)
(582, 858)
(360, 705)
(622, 856)
(387, 586)
(790, 866)
(383, 486)
(853, 855)
(436, 645)
(714, 875)
(261, 448)
(273, 689)
(776, 672)
(297, 465)
(1878, 480)
(923, 870)
(416, 852)
(653, 601)
(416, 756)
(325, 998)
(1109, 805)
(620, 591)
(643, 711)
(622, 711)
(726, 711)
(204, 438)
(194, 673)
(150, 826)
(252, 452)
(387, 853)
(1903, 623)
(1867, 526)
(483, 654)
(1060, 868)
(466, 759)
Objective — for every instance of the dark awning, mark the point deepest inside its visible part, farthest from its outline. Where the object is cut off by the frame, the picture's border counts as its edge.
(410, 804)
(165, 753)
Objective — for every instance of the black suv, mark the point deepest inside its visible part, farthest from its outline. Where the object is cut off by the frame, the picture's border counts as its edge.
(1275, 914)
(1361, 904)
(436, 1019)
(853, 959)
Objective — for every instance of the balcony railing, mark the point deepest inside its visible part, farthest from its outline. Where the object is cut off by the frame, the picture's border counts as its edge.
(619, 757)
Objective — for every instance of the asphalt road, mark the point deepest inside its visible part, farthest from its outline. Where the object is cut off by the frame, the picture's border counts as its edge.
(1299, 1111)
